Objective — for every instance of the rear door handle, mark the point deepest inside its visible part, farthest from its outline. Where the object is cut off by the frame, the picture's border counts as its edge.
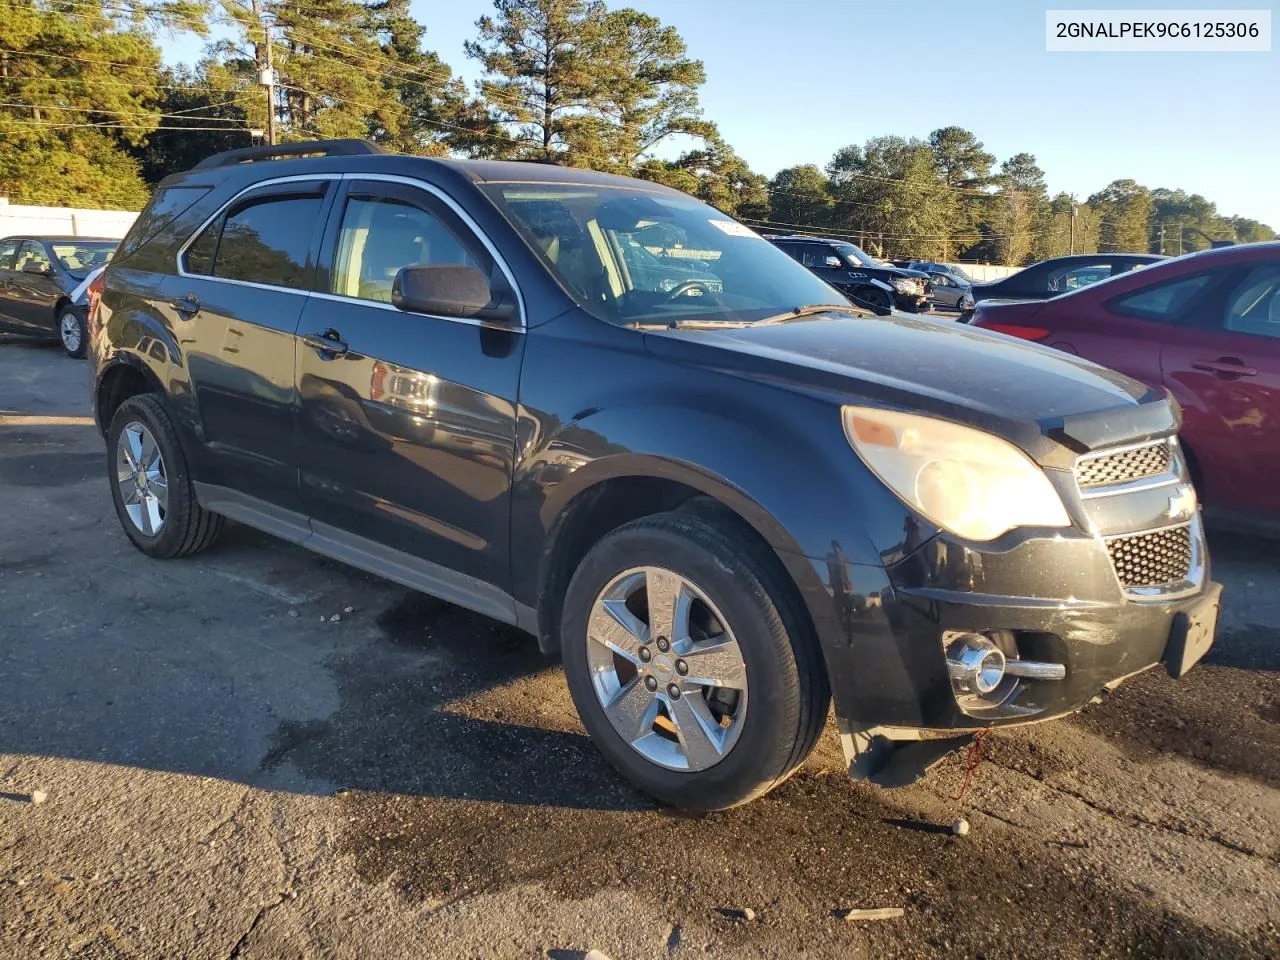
(1224, 368)
(328, 344)
(188, 306)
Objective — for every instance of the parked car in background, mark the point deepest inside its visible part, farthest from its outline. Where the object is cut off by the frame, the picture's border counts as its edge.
(1059, 275)
(720, 507)
(850, 270)
(948, 290)
(1206, 326)
(43, 282)
(932, 266)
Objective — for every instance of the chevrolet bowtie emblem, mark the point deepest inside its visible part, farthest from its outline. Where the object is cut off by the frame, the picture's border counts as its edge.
(1183, 503)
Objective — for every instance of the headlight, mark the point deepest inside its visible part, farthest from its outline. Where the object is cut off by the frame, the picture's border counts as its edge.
(966, 481)
(966, 302)
(903, 285)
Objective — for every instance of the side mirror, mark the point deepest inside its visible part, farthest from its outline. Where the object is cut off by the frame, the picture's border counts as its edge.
(35, 266)
(832, 262)
(449, 290)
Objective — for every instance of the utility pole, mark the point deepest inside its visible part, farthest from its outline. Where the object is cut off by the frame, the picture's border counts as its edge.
(1162, 238)
(1073, 225)
(267, 72)
(1179, 238)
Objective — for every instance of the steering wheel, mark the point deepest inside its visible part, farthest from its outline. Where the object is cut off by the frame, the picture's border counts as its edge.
(683, 289)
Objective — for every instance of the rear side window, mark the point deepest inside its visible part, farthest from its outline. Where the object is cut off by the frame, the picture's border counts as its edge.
(1163, 301)
(7, 249)
(1254, 306)
(266, 241)
(262, 240)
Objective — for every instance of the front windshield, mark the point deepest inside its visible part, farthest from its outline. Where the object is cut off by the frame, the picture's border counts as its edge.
(78, 257)
(855, 256)
(959, 272)
(630, 255)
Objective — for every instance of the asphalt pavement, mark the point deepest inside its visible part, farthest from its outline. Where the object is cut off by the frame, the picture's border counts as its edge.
(259, 753)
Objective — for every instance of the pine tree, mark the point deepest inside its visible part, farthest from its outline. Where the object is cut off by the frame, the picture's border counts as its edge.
(80, 83)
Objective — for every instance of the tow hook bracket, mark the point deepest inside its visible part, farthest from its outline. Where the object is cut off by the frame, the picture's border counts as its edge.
(895, 757)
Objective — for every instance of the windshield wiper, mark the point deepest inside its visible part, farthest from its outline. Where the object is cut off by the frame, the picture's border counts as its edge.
(810, 310)
(689, 324)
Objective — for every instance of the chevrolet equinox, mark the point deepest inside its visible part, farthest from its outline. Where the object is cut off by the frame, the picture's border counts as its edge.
(602, 411)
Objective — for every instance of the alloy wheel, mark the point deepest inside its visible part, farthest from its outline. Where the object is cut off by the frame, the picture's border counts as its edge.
(69, 330)
(140, 473)
(667, 669)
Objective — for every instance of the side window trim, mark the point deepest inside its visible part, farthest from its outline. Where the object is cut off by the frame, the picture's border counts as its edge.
(329, 244)
(260, 190)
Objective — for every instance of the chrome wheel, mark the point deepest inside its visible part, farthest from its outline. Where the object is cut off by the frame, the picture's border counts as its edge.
(667, 669)
(140, 473)
(69, 330)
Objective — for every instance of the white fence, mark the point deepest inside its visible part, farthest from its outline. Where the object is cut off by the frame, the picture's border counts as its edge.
(63, 221)
(986, 272)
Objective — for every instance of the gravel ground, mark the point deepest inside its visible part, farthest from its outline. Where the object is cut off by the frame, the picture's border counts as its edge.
(226, 770)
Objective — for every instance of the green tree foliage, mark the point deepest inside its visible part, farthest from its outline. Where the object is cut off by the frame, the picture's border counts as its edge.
(1124, 215)
(714, 174)
(890, 195)
(800, 195)
(575, 82)
(79, 82)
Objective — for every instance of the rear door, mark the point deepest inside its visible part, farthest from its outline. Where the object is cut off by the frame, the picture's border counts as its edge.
(244, 279)
(1223, 365)
(8, 251)
(406, 426)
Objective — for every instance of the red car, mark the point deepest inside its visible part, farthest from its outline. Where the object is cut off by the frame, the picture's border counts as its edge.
(1207, 327)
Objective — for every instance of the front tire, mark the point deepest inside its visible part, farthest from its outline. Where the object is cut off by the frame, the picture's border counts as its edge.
(874, 299)
(150, 484)
(72, 331)
(691, 666)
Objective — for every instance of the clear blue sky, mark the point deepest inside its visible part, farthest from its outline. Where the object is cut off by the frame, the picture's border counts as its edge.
(792, 81)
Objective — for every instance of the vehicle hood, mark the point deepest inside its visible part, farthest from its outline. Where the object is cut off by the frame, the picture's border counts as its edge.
(1039, 398)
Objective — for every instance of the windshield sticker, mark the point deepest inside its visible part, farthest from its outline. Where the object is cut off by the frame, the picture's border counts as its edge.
(733, 228)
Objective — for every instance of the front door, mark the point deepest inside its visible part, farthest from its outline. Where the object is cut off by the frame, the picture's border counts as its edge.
(1224, 368)
(406, 429)
(235, 307)
(32, 290)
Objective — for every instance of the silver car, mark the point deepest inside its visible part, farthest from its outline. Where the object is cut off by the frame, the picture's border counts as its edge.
(948, 290)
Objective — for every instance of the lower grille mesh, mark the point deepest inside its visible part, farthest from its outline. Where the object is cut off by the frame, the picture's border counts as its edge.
(1152, 559)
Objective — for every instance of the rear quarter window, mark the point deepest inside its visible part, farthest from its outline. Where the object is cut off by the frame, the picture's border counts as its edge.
(167, 204)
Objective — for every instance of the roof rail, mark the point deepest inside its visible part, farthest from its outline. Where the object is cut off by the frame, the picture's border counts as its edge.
(326, 148)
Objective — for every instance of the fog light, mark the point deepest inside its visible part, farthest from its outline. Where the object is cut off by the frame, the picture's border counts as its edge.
(976, 665)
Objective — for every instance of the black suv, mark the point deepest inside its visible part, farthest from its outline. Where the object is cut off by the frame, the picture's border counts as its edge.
(853, 272)
(721, 500)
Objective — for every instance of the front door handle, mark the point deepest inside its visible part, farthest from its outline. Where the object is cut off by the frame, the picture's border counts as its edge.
(1224, 368)
(328, 344)
(187, 305)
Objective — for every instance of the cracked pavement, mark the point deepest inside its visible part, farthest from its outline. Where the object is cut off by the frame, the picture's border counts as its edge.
(226, 780)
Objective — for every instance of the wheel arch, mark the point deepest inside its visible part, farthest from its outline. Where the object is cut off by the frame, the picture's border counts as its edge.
(124, 376)
(610, 493)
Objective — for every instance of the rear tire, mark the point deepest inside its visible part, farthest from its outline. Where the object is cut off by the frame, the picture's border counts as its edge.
(72, 331)
(781, 686)
(161, 525)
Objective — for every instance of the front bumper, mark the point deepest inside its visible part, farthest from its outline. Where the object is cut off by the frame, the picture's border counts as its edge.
(915, 302)
(1054, 599)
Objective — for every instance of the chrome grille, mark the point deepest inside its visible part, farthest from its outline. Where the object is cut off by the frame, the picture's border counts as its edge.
(1156, 559)
(1124, 466)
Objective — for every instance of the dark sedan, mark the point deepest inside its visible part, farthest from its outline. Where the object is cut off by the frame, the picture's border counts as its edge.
(1048, 278)
(42, 283)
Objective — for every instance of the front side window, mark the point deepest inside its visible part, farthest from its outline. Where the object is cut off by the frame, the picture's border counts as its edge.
(1254, 306)
(1162, 301)
(79, 257)
(266, 241)
(32, 252)
(380, 236)
(855, 256)
(700, 265)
